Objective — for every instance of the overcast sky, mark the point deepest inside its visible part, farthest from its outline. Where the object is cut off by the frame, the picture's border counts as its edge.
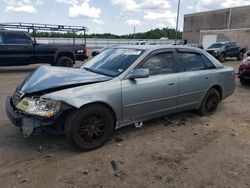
(111, 16)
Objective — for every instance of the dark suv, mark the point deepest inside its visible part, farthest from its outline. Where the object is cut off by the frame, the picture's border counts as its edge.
(222, 50)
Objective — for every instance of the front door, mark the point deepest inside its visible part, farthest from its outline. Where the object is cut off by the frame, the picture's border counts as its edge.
(15, 49)
(156, 95)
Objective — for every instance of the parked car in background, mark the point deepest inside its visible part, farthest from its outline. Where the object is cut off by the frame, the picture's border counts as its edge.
(124, 85)
(244, 71)
(222, 50)
(96, 51)
(142, 42)
(195, 45)
(17, 48)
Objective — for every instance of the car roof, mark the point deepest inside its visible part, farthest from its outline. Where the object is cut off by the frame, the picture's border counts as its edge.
(12, 31)
(159, 47)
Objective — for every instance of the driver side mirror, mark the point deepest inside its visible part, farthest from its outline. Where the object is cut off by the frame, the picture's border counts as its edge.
(139, 73)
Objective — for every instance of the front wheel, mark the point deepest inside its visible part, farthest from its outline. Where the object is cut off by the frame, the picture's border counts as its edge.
(89, 127)
(210, 103)
(222, 58)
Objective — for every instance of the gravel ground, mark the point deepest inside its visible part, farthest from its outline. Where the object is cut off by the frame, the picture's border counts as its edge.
(185, 150)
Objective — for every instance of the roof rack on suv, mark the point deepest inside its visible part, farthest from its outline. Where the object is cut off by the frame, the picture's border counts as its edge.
(43, 27)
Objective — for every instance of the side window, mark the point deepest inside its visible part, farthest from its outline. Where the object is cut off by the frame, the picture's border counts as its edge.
(16, 38)
(233, 44)
(1, 38)
(190, 62)
(162, 63)
(208, 63)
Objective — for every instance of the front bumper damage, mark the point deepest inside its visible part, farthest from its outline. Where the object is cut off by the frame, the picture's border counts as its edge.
(32, 124)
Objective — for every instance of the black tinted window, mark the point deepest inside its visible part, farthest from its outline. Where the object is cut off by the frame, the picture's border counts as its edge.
(208, 63)
(16, 38)
(190, 62)
(161, 63)
(233, 44)
(1, 38)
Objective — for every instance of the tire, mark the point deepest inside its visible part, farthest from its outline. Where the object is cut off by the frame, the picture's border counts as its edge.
(210, 103)
(244, 81)
(89, 127)
(240, 56)
(64, 61)
(222, 58)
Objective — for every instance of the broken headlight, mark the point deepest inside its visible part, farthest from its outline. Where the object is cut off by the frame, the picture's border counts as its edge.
(38, 106)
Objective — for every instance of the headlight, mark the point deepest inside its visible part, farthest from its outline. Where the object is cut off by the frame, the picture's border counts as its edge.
(40, 107)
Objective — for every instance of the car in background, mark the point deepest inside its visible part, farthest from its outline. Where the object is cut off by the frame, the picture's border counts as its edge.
(142, 42)
(195, 45)
(222, 50)
(17, 48)
(95, 52)
(244, 71)
(122, 86)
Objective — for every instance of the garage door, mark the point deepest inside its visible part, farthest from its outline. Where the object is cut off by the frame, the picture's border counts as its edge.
(207, 40)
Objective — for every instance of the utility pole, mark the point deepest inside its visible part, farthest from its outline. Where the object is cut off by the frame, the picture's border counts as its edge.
(177, 21)
(134, 32)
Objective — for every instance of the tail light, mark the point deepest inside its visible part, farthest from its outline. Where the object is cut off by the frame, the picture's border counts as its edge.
(234, 76)
(85, 50)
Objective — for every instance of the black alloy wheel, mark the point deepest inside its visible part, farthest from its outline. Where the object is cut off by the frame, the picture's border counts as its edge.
(89, 127)
(210, 102)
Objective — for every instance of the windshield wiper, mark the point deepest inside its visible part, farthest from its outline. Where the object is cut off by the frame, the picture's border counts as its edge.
(97, 72)
(89, 69)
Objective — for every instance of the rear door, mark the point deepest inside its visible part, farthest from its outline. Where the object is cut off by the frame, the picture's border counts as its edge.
(16, 49)
(145, 98)
(194, 79)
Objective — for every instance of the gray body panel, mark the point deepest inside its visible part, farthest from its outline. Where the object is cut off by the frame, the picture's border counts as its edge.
(135, 100)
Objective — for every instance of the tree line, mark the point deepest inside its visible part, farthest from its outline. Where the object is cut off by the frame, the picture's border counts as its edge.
(152, 34)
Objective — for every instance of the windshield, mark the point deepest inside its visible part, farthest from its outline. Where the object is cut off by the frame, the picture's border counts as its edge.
(216, 45)
(113, 61)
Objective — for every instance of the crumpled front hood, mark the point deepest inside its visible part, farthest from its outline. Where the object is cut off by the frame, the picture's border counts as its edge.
(48, 78)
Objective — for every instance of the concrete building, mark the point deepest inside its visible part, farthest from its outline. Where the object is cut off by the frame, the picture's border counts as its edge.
(217, 26)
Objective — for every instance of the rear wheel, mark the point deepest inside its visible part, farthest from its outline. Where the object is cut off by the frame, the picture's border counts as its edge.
(64, 61)
(210, 103)
(240, 56)
(222, 58)
(89, 127)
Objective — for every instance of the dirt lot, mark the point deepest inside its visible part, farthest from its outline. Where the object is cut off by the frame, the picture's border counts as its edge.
(187, 151)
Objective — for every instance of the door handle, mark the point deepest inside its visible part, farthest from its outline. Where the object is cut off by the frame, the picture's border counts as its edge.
(171, 84)
(206, 78)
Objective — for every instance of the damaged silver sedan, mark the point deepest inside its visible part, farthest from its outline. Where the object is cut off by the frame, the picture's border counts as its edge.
(120, 86)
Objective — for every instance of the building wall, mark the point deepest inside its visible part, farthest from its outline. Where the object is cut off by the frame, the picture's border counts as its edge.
(241, 36)
(230, 18)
